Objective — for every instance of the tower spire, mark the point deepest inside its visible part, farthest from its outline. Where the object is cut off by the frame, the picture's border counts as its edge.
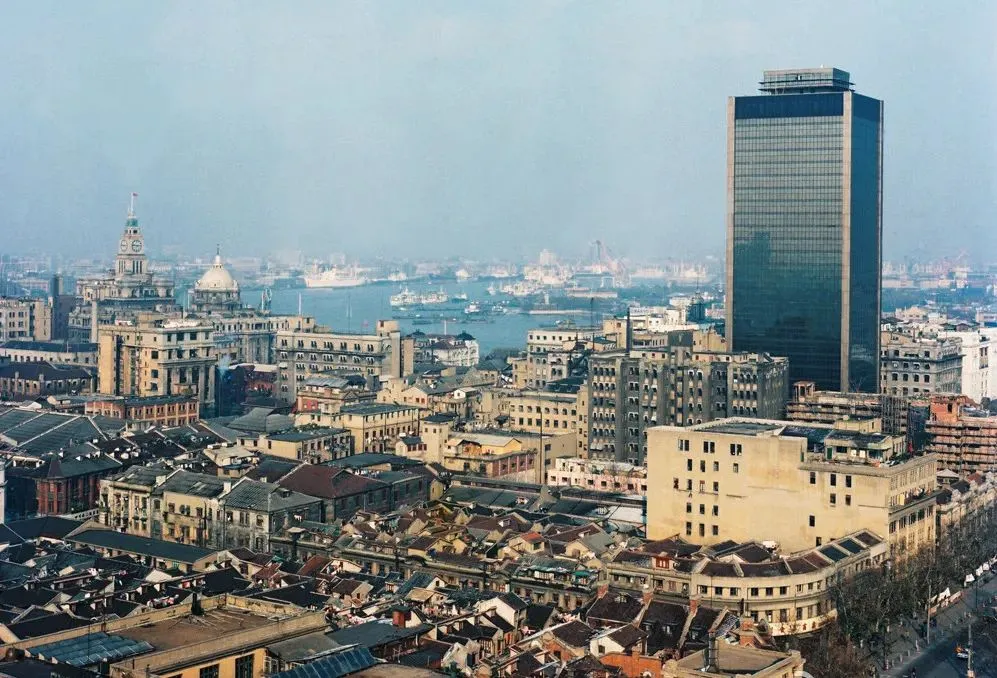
(131, 205)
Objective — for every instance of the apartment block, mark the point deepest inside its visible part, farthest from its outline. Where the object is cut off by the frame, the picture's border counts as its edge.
(631, 391)
(26, 319)
(962, 435)
(916, 363)
(799, 486)
(380, 356)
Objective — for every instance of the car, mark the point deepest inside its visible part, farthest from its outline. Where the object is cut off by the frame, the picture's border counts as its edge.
(961, 652)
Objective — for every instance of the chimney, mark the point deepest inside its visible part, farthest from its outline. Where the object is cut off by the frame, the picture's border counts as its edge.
(648, 595)
(602, 590)
(399, 615)
(693, 605)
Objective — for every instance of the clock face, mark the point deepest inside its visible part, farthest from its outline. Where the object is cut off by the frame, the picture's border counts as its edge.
(124, 245)
(136, 245)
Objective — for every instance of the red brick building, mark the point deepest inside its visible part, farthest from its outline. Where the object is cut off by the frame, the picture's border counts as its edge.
(152, 410)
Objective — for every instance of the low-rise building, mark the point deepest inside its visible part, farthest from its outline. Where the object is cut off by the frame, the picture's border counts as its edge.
(55, 352)
(792, 592)
(804, 485)
(314, 445)
(27, 381)
(836, 407)
(142, 412)
(375, 427)
(600, 476)
(328, 394)
(459, 350)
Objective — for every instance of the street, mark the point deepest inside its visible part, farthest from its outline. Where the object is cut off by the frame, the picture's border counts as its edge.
(939, 660)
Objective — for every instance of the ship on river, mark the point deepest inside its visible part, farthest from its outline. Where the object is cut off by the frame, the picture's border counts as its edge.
(336, 277)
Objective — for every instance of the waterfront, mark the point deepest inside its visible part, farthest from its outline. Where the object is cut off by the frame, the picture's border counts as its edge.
(357, 309)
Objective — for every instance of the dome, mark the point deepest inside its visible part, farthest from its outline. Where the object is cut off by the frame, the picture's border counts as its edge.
(217, 279)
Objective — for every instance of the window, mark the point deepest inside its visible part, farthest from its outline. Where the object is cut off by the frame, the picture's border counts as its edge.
(709, 446)
(834, 480)
(735, 449)
(848, 481)
(702, 509)
(688, 464)
(813, 478)
(244, 666)
(848, 500)
(716, 487)
(813, 521)
(210, 671)
(737, 468)
(688, 507)
(716, 510)
(716, 530)
(716, 466)
(834, 499)
(688, 529)
(702, 466)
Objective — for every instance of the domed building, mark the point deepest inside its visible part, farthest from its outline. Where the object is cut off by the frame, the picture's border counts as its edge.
(217, 291)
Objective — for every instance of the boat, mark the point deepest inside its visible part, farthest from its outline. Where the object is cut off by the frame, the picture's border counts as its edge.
(472, 309)
(407, 297)
(335, 277)
(462, 296)
(492, 290)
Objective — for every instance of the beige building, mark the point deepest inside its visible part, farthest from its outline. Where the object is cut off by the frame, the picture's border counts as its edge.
(380, 356)
(798, 486)
(314, 445)
(791, 592)
(158, 356)
(549, 352)
(510, 455)
(374, 427)
(247, 336)
(540, 411)
(125, 502)
(25, 319)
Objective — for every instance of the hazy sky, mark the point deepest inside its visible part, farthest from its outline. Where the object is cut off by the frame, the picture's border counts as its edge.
(466, 127)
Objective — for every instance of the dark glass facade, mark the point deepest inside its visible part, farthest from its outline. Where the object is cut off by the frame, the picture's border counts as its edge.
(804, 233)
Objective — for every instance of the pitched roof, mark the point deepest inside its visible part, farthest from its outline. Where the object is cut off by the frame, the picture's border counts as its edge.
(255, 495)
(129, 543)
(327, 482)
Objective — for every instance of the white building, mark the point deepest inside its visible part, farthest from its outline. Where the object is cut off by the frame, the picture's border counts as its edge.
(601, 476)
(979, 380)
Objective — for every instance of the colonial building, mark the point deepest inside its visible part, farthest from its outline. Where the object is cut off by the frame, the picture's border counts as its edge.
(961, 434)
(915, 363)
(55, 352)
(380, 356)
(375, 427)
(130, 289)
(142, 412)
(26, 381)
(158, 356)
(804, 486)
(216, 291)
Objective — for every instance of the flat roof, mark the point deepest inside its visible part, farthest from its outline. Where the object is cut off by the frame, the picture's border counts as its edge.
(299, 435)
(744, 428)
(182, 631)
(375, 408)
(734, 659)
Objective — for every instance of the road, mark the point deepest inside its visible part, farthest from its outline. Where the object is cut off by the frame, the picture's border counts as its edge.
(939, 660)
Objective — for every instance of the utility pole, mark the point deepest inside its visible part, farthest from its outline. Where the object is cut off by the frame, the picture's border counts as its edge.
(969, 654)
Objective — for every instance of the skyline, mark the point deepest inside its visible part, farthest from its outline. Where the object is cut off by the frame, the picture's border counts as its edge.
(474, 131)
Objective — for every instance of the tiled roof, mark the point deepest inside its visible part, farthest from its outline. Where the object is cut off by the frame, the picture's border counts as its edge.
(259, 496)
(129, 543)
(327, 482)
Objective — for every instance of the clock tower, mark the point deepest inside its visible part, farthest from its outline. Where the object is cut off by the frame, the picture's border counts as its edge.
(131, 259)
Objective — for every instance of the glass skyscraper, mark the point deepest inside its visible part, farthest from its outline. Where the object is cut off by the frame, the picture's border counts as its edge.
(804, 226)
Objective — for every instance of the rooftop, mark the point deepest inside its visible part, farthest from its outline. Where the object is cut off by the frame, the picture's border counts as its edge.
(301, 435)
(375, 408)
(129, 543)
(183, 631)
